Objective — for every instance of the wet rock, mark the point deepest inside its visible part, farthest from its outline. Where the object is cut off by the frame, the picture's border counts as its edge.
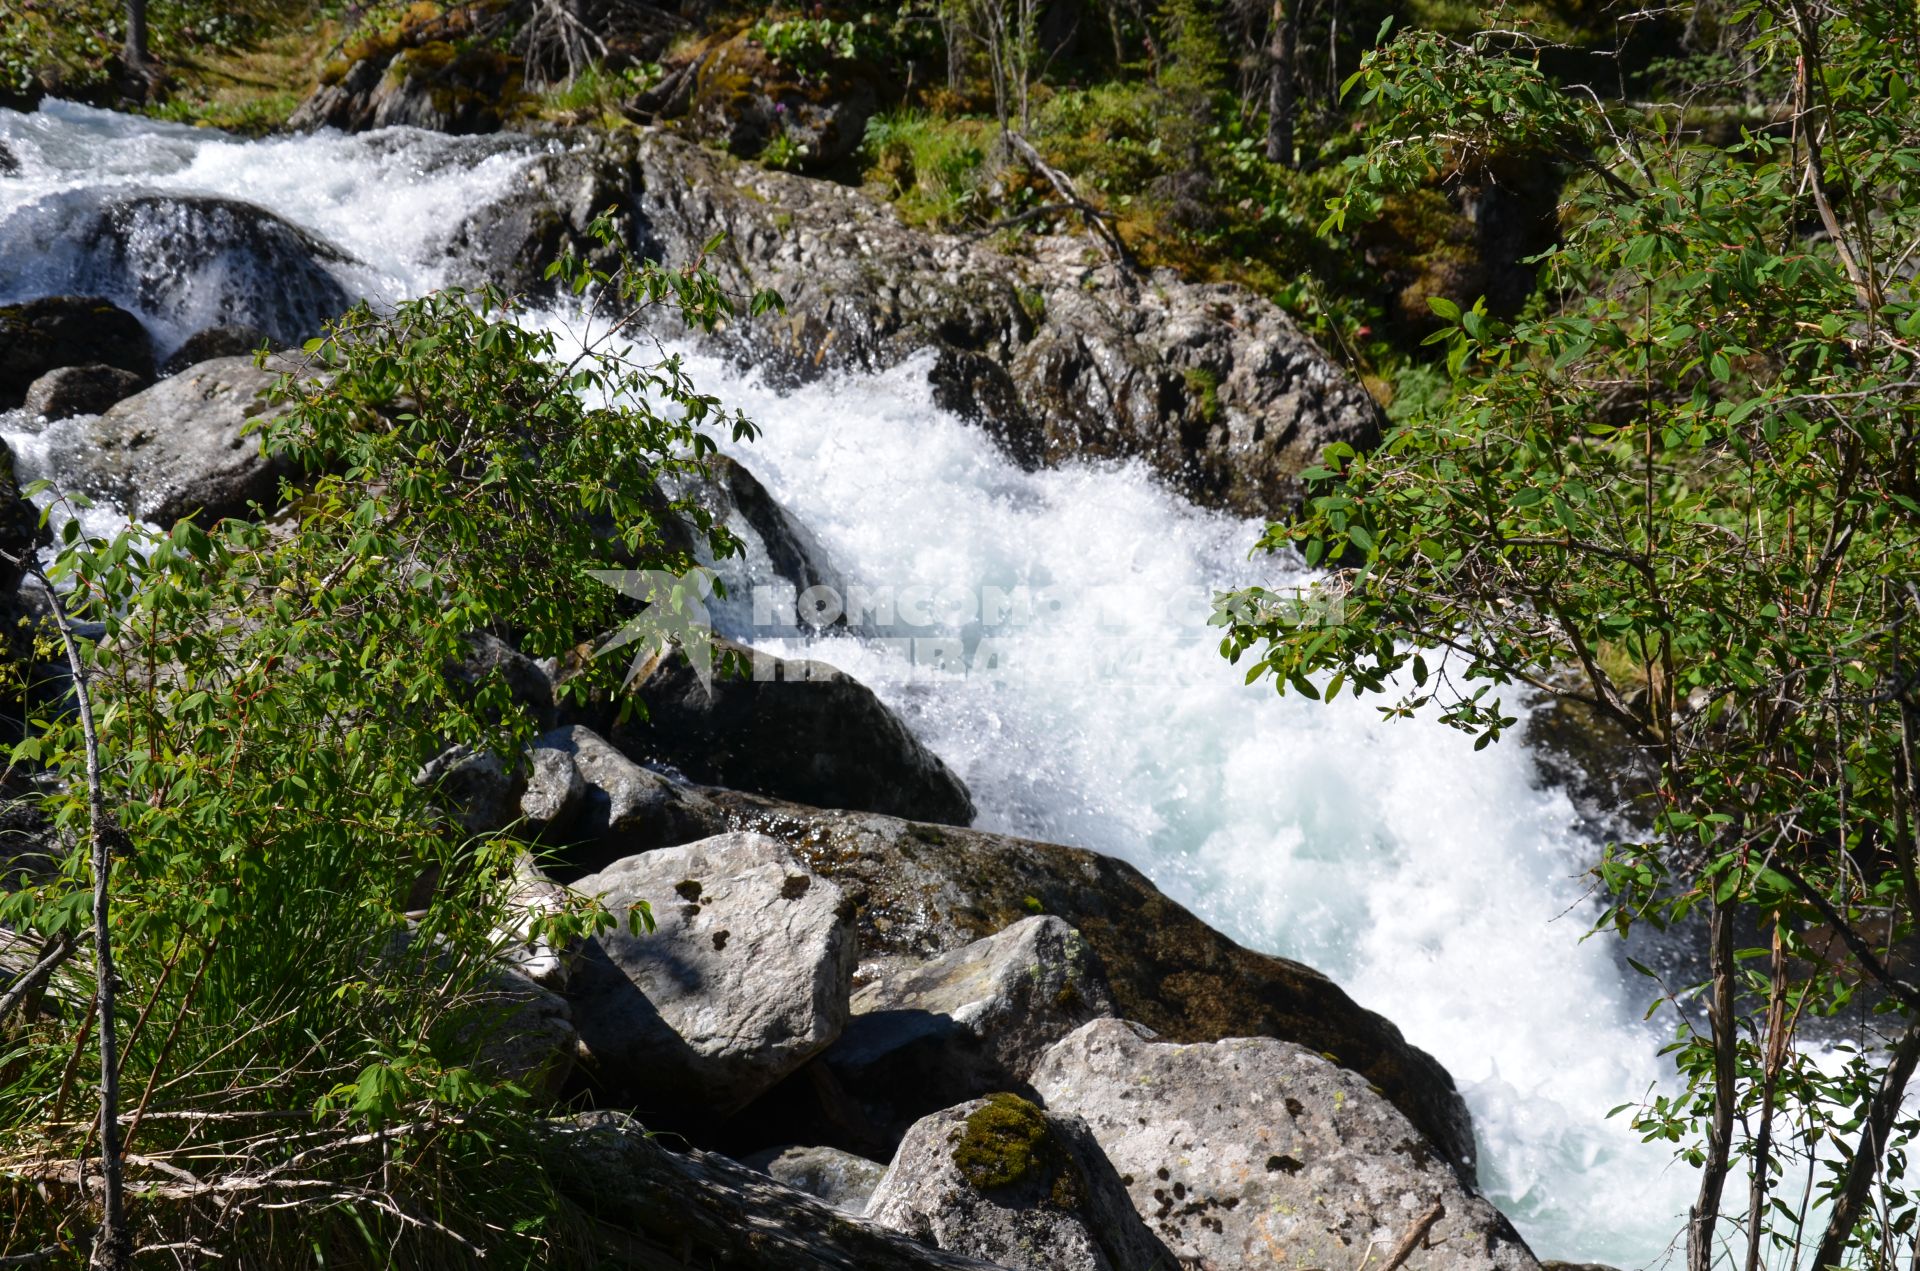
(791, 728)
(58, 331)
(1238, 1148)
(1058, 352)
(927, 1035)
(841, 1179)
(746, 977)
(81, 390)
(182, 446)
(9, 163)
(510, 241)
(922, 890)
(777, 542)
(213, 342)
(1000, 1179)
(745, 101)
(20, 534)
(696, 1209)
(184, 262)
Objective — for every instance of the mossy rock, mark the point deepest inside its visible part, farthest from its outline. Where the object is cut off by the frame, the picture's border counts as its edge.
(756, 108)
(1006, 1143)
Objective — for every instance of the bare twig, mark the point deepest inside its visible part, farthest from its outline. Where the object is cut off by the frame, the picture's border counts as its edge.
(58, 950)
(1415, 1235)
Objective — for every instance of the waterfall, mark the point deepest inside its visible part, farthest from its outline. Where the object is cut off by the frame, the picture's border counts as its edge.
(1440, 887)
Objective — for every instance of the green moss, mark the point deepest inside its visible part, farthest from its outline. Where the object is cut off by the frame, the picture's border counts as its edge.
(1006, 1143)
(1003, 1143)
(1205, 386)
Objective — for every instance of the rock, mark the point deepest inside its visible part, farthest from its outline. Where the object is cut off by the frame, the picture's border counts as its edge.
(1000, 1179)
(181, 447)
(746, 977)
(20, 533)
(927, 1035)
(9, 163)
(778, 545)
(81, 390)
(426, 73)
(531, 898)
(791, 728)
(510, 241)
(44, 335)
(745, 101)
(617, 807)
(489, 660)
(1057, 352)
(479, 789)
(1242, 1148)
(213, 342)
(842, 1179)
(696, 1209)
(182, 262)
(922, 890)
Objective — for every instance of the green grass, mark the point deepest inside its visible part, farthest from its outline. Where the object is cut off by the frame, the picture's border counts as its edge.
(929, 167)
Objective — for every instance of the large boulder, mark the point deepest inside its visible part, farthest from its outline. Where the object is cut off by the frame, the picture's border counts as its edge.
(922, 890)
(928, 1035)
(81, 390)
(778, 545)
(696, 1209)
(20, 534)
(432, 70)
(746, 977)
(510, 240)
(1059, 352)
(842, 1179)
(56, 331)
(1248, 1150)
(1000, 1179)
(182, 262)
(582, 793)
(217, 341)
(792, 728)
(183, 446)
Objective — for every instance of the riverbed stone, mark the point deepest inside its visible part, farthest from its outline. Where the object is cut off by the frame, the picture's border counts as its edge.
(698, 1209)
(746, 977)
(1001, 1179)
(586, 795)
(57, 331)
(183, 447)
(80, 390)
(793, 728)
(841, 1179)
(927, 1035)
(921, 890)
(1241, 1150)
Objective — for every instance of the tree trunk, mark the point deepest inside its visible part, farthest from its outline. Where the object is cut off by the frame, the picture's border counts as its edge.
(135, 54)
(1280, 96)
(1882, 1111)
(1713, 1174)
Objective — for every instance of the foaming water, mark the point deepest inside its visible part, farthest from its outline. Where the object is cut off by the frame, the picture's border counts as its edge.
(89, 211)
(1438, 886)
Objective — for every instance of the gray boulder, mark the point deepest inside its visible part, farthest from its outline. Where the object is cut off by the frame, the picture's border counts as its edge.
(1241, 1149)
(56, 331)
(583, 793)
(1000, 1179)
(1060, 353)
(510, 240)
(842, 1179)
(81, 390)
(927, 1035)
(791, 728)
(213, 342)
(182, 447)
(696, 1209)
(777, 543)
(746, 977)
(443, 82)
(922, 890)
